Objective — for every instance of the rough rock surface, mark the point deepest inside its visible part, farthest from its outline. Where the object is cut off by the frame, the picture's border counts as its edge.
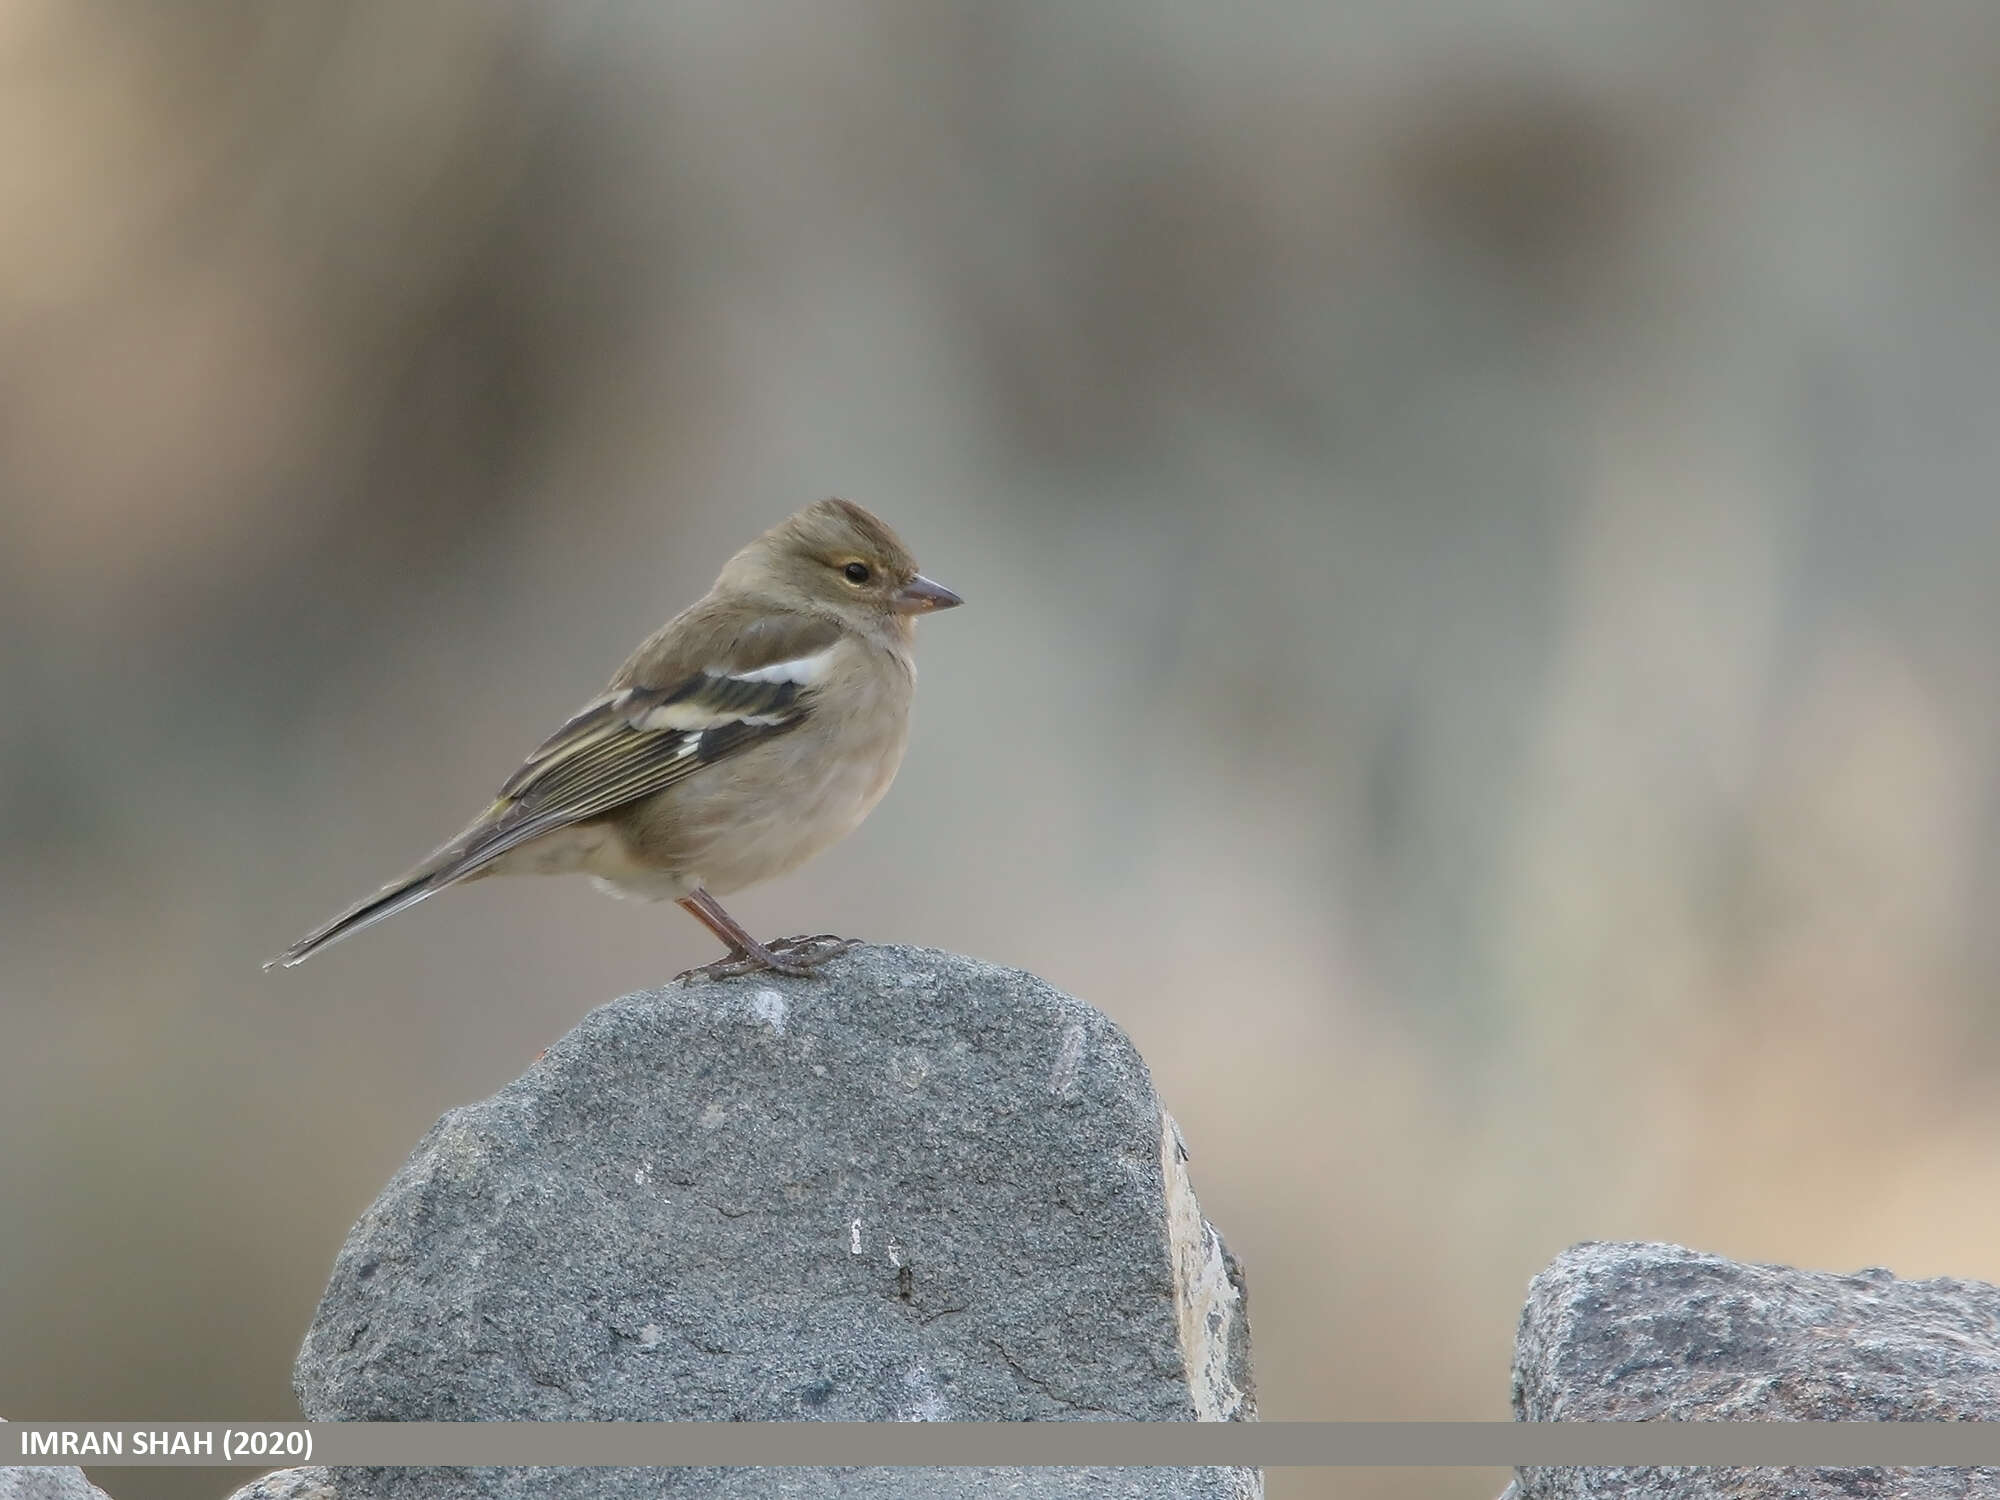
(293, 1484)
(760, 1484)
(25, 1483)
(910, 1187)
(1631, 1332)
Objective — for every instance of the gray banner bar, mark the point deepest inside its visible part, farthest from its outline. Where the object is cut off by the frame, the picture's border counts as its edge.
(943, 1444)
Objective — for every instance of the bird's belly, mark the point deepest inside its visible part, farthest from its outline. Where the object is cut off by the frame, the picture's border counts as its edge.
(598, 850)
(775, 834)
(765, 813)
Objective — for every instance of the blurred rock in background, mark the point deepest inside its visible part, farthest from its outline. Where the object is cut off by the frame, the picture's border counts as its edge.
(1659, 1333)
(1481, 560)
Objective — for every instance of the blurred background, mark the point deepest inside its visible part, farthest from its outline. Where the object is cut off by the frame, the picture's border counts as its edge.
(1497, 498)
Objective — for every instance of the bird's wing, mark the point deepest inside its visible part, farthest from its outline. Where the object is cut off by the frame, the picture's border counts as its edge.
(663, 720)
(690, 697)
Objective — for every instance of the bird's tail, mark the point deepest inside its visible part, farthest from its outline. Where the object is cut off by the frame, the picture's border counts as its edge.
(465, 856)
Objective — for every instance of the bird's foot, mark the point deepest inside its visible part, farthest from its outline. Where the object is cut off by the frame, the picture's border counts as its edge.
(814, 950)
(795, 956)
(738, 964)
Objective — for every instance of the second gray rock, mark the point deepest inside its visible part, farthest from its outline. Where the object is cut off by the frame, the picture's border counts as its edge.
(1648, 1332)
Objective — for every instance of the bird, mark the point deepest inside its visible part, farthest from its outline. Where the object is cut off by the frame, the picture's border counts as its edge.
(749, 733)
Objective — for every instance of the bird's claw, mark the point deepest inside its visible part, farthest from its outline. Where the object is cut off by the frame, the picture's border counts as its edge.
(820, 946)
(797, 957)
(738, 964)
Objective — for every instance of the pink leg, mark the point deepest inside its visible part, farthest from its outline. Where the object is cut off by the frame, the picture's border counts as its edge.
(743, 948)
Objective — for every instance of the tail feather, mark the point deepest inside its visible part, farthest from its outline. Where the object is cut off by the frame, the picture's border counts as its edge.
(458, 860)
(377, 908)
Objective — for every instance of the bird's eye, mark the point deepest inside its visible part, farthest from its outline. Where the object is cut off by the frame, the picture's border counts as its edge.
(857, 572)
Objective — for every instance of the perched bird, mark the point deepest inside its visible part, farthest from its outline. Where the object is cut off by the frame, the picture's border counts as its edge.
(754, 729)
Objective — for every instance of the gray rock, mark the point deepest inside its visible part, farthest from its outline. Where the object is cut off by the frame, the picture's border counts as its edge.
(25, 1483)
(292, 1484)
(761, 1484)
(1632, 1332)
(912, 1187)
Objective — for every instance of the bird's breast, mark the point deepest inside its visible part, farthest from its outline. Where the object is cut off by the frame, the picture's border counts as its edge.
(772, 807)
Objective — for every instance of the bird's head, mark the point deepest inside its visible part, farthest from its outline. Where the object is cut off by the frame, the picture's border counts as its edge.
(835, 558)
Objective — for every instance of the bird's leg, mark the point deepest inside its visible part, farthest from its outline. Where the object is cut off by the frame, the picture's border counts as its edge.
(746, 954)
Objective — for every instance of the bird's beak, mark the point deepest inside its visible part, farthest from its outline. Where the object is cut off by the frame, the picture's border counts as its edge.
(920, 596)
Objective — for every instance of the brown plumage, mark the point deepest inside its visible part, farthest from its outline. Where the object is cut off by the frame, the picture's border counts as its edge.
(755, 728)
